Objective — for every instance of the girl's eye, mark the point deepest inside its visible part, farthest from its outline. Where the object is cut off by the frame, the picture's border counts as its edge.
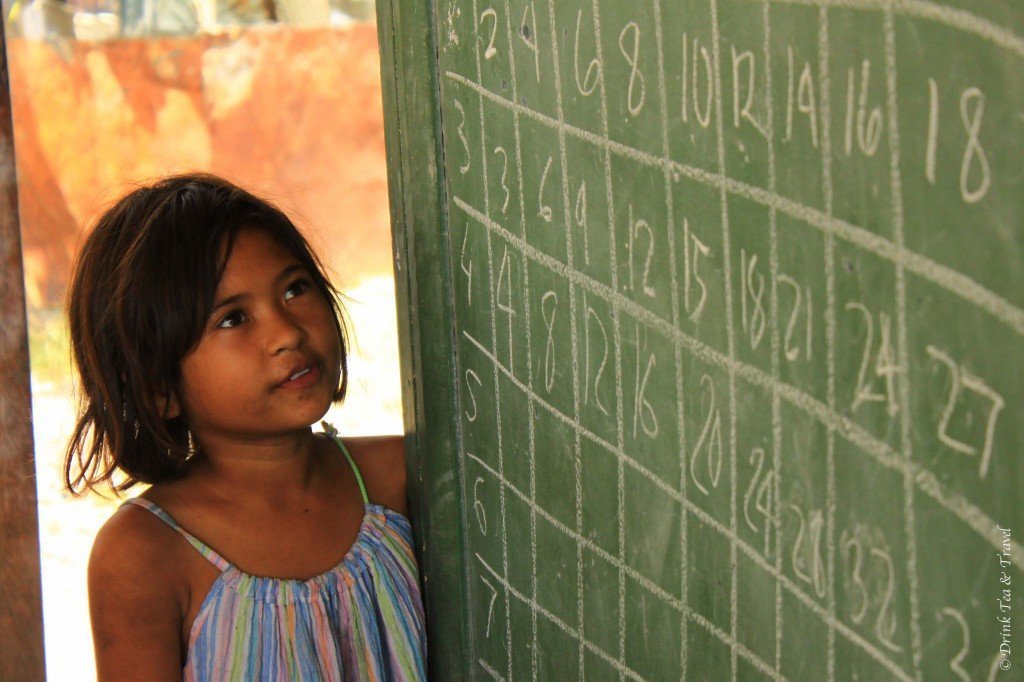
(232, 319)
(297, 288)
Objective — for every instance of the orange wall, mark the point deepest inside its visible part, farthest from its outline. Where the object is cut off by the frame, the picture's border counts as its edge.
(294, 115)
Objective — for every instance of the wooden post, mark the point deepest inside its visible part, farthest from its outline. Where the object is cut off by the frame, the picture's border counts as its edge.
(21, 613)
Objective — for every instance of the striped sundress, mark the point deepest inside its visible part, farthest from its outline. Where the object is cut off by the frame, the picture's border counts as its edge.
(361, 620)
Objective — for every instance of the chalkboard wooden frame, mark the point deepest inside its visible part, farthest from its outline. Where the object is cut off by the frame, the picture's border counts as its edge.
(423, 283)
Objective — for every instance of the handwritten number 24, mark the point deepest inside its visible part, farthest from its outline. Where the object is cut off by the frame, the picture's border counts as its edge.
(885, 368)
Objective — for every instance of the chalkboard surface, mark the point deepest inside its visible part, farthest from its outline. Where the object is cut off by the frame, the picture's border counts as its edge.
(713, 318)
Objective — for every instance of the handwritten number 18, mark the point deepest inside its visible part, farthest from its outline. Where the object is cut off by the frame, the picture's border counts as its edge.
(974, 162)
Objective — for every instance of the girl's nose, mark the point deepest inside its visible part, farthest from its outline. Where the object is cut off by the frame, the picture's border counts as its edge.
(284, 332)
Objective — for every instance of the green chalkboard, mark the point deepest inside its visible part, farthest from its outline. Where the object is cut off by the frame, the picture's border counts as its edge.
(712, 318)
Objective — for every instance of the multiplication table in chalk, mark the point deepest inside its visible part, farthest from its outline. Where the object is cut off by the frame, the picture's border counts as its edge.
(738, 292)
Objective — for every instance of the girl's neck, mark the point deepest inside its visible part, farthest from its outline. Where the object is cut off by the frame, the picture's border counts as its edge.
(264, 472)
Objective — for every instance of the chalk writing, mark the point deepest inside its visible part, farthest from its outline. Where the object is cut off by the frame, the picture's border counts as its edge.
(544, 211)
(803, 304)
(635, 92)
(864, 549)
(580, 214)
(466, 265)
(753, 317)
(868, 126)
(805, 101)
(643, 410)
(972, 108)
(807, 559)
(885, 366)
(470, 374)
(489, 13)
(589, 81)
(503, 296)
(960, 379)
(636, 227)
(707, 451)
(741, 60)
(956, 663)
(549, 308)
(478, 506)
(602, 377)
(693, 249)
(504, 178)
(490, 606)
(464, 168)
(760, 491)
(528, 36)
(933, 130)
(700, 80)
(592, 319)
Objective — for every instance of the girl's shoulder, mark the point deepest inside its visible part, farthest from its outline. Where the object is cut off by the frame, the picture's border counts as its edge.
(136, 592)
(381, 463)
(134, 540)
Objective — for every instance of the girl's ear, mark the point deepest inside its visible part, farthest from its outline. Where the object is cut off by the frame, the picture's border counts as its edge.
(167, 404)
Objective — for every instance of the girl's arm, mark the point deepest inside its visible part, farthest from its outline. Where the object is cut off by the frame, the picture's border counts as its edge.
(135, 600)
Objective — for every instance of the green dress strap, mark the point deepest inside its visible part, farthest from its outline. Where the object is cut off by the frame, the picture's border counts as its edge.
(332, 433)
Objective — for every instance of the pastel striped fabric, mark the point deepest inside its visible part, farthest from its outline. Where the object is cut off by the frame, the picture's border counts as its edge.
(361, 620)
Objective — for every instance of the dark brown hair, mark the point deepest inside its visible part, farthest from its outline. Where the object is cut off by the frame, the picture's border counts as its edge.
(142, 290)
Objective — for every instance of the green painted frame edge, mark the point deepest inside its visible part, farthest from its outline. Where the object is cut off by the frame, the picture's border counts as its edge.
(426, 329)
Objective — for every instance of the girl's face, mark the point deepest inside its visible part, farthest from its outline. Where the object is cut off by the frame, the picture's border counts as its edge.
(268, 362)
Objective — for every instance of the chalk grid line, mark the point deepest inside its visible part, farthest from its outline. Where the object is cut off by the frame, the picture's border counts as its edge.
(793, 588)
(676, 603)
(730, 334)
(773, 259)
(902, 343)
(678, 353)
(825, 85)
(494, 344)
(495, 675)
(620, 487)
(623, 669)
(893, 251)
(880, 451)
(577, 459)
(952, 281)
(531, 428)
(962, 20)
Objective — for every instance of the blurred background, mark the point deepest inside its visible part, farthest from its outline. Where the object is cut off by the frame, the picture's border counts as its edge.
(280, 96)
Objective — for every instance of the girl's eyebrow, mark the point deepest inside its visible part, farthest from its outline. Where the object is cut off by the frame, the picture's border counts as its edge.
(283, 275)
(289, 271)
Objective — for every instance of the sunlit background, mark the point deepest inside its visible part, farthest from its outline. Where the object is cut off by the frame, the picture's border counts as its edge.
(281, 96)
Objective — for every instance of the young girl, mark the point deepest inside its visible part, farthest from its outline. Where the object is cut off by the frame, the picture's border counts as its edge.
(208, 340)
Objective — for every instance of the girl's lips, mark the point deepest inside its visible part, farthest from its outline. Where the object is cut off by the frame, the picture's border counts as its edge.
(308, 379)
